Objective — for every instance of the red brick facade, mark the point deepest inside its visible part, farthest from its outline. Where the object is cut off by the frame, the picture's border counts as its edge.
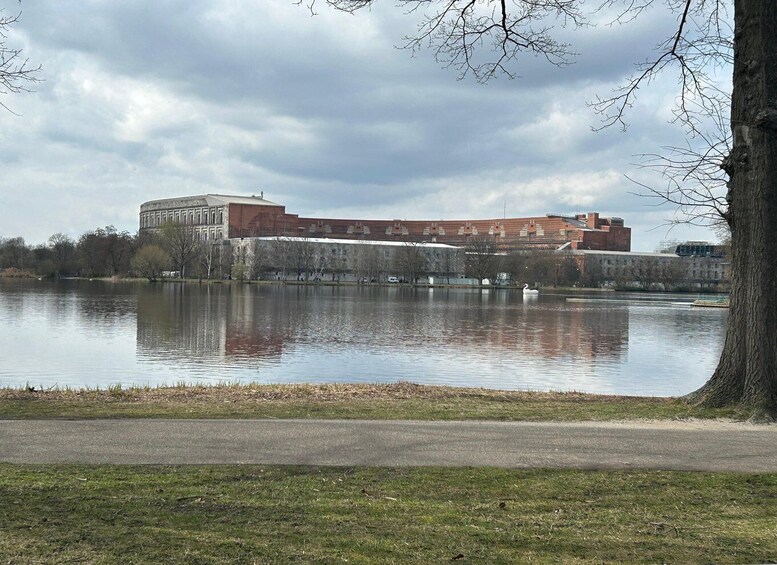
(586, 231)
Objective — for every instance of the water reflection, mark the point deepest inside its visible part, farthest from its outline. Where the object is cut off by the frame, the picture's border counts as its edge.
(151, 334)
(261, 322)
(180, 322)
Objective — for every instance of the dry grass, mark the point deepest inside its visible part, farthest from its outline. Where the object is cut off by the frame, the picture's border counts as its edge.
(401, 400)
(321, 392)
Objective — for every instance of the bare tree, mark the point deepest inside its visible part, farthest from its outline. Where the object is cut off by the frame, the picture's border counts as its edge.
(448, 262)
(13, 252)
(410, 261)
(258, 260)
(671, 273)
(320, 261)
(63, 250)
(367, 263)
(645, 273)
(701, 46)
(593, 273)
(16, 73)
(539, 267)
(566, 271)
(280, 251)
(338, 265)
(481, 260)
(301, 252)
(207, 259)
(105, 251)
(182, 243)
(225, 259)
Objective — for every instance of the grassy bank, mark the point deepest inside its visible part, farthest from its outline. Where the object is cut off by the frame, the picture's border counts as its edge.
(391, 401)
(251, 514)
(272, 514)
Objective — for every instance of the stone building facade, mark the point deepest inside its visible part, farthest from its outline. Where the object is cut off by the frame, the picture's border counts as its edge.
(663, 269)
(348, 259)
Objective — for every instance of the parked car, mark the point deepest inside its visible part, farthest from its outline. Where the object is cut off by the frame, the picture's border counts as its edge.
(393, 279)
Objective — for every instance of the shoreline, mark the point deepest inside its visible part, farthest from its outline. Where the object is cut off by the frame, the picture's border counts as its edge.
(516, 287)
(396, 401)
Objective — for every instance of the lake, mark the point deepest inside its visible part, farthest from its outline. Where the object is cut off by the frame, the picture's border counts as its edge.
(98, 333)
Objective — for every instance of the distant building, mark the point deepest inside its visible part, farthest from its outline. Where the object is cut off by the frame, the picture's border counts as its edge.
(216, 216)
(208, 214)
(662, 269)
(349, 259)
(699, 249)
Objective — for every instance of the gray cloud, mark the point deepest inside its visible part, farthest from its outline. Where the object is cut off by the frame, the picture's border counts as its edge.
(145, 100)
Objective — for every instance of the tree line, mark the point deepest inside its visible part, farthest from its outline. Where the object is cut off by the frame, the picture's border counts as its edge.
(178, 251)
(108, 252)
(99, 253)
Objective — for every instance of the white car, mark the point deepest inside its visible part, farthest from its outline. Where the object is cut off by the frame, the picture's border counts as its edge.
(393, 279)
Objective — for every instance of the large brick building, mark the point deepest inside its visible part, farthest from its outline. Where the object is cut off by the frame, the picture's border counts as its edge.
(217, 216)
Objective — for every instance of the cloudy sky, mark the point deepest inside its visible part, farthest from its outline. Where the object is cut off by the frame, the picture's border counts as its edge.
(146, 100)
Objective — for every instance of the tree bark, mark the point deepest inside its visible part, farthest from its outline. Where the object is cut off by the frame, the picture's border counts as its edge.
(747, 371)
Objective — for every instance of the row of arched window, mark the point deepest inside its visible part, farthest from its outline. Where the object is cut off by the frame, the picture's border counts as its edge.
(187, 216)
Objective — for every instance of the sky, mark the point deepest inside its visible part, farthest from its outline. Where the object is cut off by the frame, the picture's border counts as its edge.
(322, 113)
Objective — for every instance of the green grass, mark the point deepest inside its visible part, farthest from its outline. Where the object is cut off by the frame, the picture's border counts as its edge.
(272, 514)
(393, 401)
(261, 514)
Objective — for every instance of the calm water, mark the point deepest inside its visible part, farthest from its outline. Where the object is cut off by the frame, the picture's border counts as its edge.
(80, 333)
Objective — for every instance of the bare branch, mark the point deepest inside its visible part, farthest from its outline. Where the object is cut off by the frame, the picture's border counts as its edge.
(458, 30)
(701, 44)
(484, 39)
(15, 71)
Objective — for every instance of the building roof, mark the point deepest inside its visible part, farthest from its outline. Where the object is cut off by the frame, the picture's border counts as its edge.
(207, 200)
(253, 199)
(356, 241)
(571, 220)
(623, 253)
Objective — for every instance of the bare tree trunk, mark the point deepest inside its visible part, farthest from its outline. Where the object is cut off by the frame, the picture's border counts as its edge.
(747, 371)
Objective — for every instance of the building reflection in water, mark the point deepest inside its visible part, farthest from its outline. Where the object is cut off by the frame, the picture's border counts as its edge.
(82, 333)
(181, 321)
(189, 321)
